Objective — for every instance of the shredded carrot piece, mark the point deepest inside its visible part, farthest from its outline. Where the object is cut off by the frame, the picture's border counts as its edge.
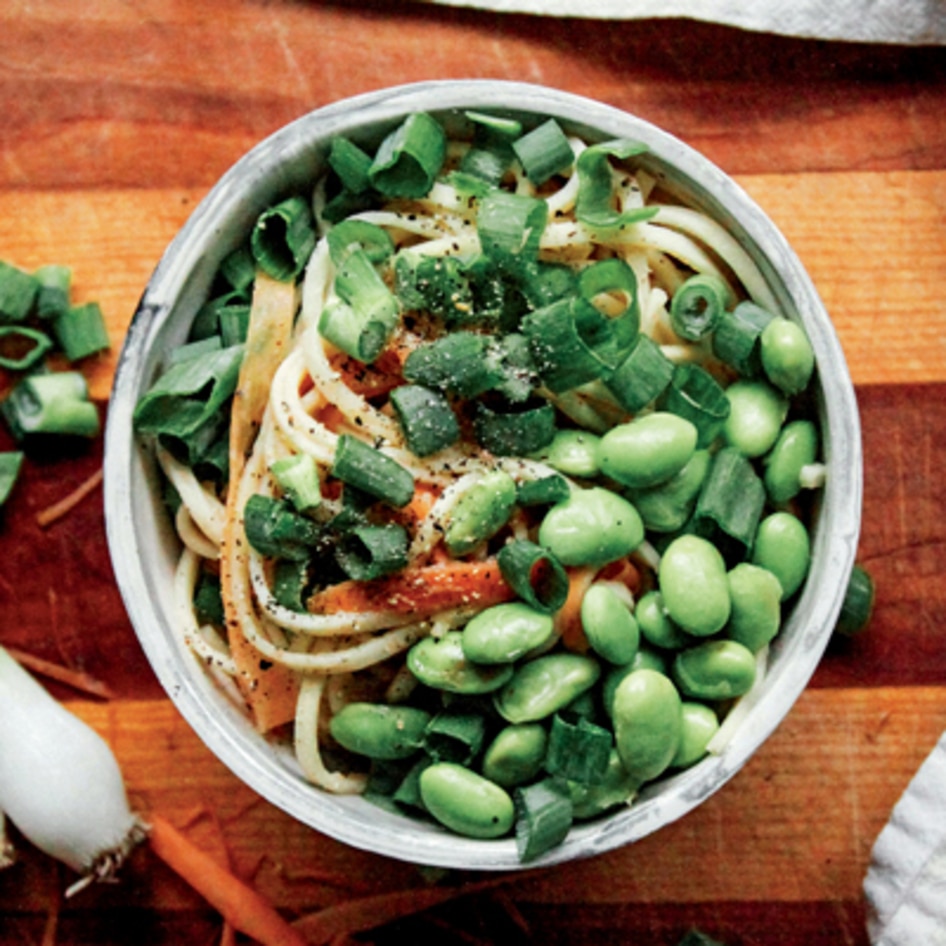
(623, 571)
(422, 591)
(568, 619)
(369, 380)
(77, 679)
(64, 506)
(240, 905)
(367, 913)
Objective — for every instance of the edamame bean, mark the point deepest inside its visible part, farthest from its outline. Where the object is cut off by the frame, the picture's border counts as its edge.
(699, 725)
(693, 585)
(667, 506)
(592, 527)
(616, 788)
(787, 356)
(796, 448)
(756, 414)
(645, 658)
(379, 731)
(655, 624)
(572, 452)
(714, 670)
(783, 547)
(756, 596)
(609, 625)
(440, 663)
(480, 512)
(515, 756)
(505, 632)
(647, 450)
(466, 802)
(544, 685)
(647, 723)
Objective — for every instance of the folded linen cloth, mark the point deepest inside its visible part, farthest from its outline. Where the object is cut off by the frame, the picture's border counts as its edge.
(905, 886)
(914, 22)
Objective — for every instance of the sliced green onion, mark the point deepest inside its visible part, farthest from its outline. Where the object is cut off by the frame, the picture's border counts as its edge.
(511, 357)
(437, 284)
(608, 277)
(492, 127)
(190, 395)
(642, 376)
(510, 227)
(455, 737)
(534, 573)
(455, 363)
(858, 605)
(571, 343)
(371, 471)
(544, 283)
(516, 432)
(22, 347)
(17, 293)
(234, 324)
(366, 552)
(409, 159)
(546, 491)
(594, 206)
(207, 321)
(52, 294)
(695, 937)
(544, 152)
(283, 238)
(291, 582)
(56, 403)
(407, 794)
(238, 269)
(11, 462)
(730, 504)
(698, 305)
(208, 599)
(350, 163)
(696, 395)
(81, 331)
(543, 817)
(362, 323)
(375, 241)
(194, 349)
(426, 418)
(736, 339)
(276, 530)
(578, 751)
(298, 478)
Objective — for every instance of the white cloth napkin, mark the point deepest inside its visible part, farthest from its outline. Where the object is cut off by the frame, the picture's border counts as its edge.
(905, 884)
(915, 22)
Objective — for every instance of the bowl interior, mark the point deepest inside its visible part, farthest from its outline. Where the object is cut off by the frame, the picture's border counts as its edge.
(144, 548)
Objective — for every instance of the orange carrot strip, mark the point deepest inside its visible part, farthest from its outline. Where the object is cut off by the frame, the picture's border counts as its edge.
(369, 380)
(77, 679)
(368, 913)
(46, 517)
(270, 689)
(623, 571)
(421, 591)
(568, 619)
(237, 902)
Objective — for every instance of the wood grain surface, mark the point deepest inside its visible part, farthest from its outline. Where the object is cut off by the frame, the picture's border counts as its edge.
(117, 119)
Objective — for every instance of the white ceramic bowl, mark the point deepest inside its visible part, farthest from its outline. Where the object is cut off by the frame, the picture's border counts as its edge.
(144, 549)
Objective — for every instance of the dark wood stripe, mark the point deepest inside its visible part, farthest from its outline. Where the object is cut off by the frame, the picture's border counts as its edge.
(58, 598)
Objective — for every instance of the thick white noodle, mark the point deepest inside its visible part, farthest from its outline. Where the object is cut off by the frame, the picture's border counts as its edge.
(191, 536)
(306, 742)
(209, 514)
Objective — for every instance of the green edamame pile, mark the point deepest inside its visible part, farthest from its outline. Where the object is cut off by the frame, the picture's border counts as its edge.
(532, 494)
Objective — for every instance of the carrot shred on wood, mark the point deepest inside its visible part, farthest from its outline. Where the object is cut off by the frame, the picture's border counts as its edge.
(368, 913)
(240, 905)
(422, 591)
(77, 679)
(60, 508)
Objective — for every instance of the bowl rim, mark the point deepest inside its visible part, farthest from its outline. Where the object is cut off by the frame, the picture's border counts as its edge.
(223, 728)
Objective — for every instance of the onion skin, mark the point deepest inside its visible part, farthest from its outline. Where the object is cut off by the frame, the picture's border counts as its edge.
(60, 783)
